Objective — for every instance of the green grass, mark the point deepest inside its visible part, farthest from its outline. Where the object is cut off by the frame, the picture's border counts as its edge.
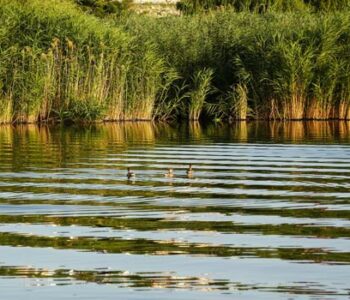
(270, 66)
(58, 62)
(263, 6)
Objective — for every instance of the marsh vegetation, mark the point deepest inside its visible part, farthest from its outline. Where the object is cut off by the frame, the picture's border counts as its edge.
(65, 60)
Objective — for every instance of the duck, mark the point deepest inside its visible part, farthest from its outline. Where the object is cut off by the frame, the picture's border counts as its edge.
(189, 171)
(130, 174)
(170, 173)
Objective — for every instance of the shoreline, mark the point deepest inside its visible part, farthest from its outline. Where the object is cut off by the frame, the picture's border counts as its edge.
(183, 122)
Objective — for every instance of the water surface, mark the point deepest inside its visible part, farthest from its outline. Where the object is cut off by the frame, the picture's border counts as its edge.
(266, 214)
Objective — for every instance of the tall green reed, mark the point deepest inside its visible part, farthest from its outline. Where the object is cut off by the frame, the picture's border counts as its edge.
(70, 66)
(270, 66)
(201, 88)
(57, 62)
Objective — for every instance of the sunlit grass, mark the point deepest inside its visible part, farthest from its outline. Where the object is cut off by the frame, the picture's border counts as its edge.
(78, 68)
(59, 63)
(270, 66)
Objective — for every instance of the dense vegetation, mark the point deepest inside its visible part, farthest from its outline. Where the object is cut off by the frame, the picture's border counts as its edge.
(280, 66)
(262, 6)
(103, 8)
(59, 62)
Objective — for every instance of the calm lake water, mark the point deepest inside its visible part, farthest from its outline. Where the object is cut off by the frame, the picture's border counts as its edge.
(266, 214)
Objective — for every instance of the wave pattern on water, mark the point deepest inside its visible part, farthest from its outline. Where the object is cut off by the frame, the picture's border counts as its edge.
(265, 214)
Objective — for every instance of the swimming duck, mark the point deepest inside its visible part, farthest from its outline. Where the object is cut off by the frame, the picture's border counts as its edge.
(189, 171)
(170, 173)
(130, 174)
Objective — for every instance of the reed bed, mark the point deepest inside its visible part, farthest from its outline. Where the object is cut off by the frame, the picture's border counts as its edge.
(263, 6)
(280, 66)
(59, 63)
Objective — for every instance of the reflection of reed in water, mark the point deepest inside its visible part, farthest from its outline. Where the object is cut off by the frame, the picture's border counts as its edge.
(17, 139)
(166, 132)
(62, 143)
(103, 139)
(298, 131)
(316, 129)
(293, 131)
(240, 131)
(33, 134)
(139, 132)
(195, 130)
(6, 136)
(126, 132)
(23, 135)
(122, 133)
(274, 129)
(344, 130)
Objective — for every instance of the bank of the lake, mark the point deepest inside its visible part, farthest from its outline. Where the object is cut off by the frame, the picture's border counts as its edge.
(57, 63)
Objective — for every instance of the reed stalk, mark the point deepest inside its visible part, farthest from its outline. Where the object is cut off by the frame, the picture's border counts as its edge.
(201, 88)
